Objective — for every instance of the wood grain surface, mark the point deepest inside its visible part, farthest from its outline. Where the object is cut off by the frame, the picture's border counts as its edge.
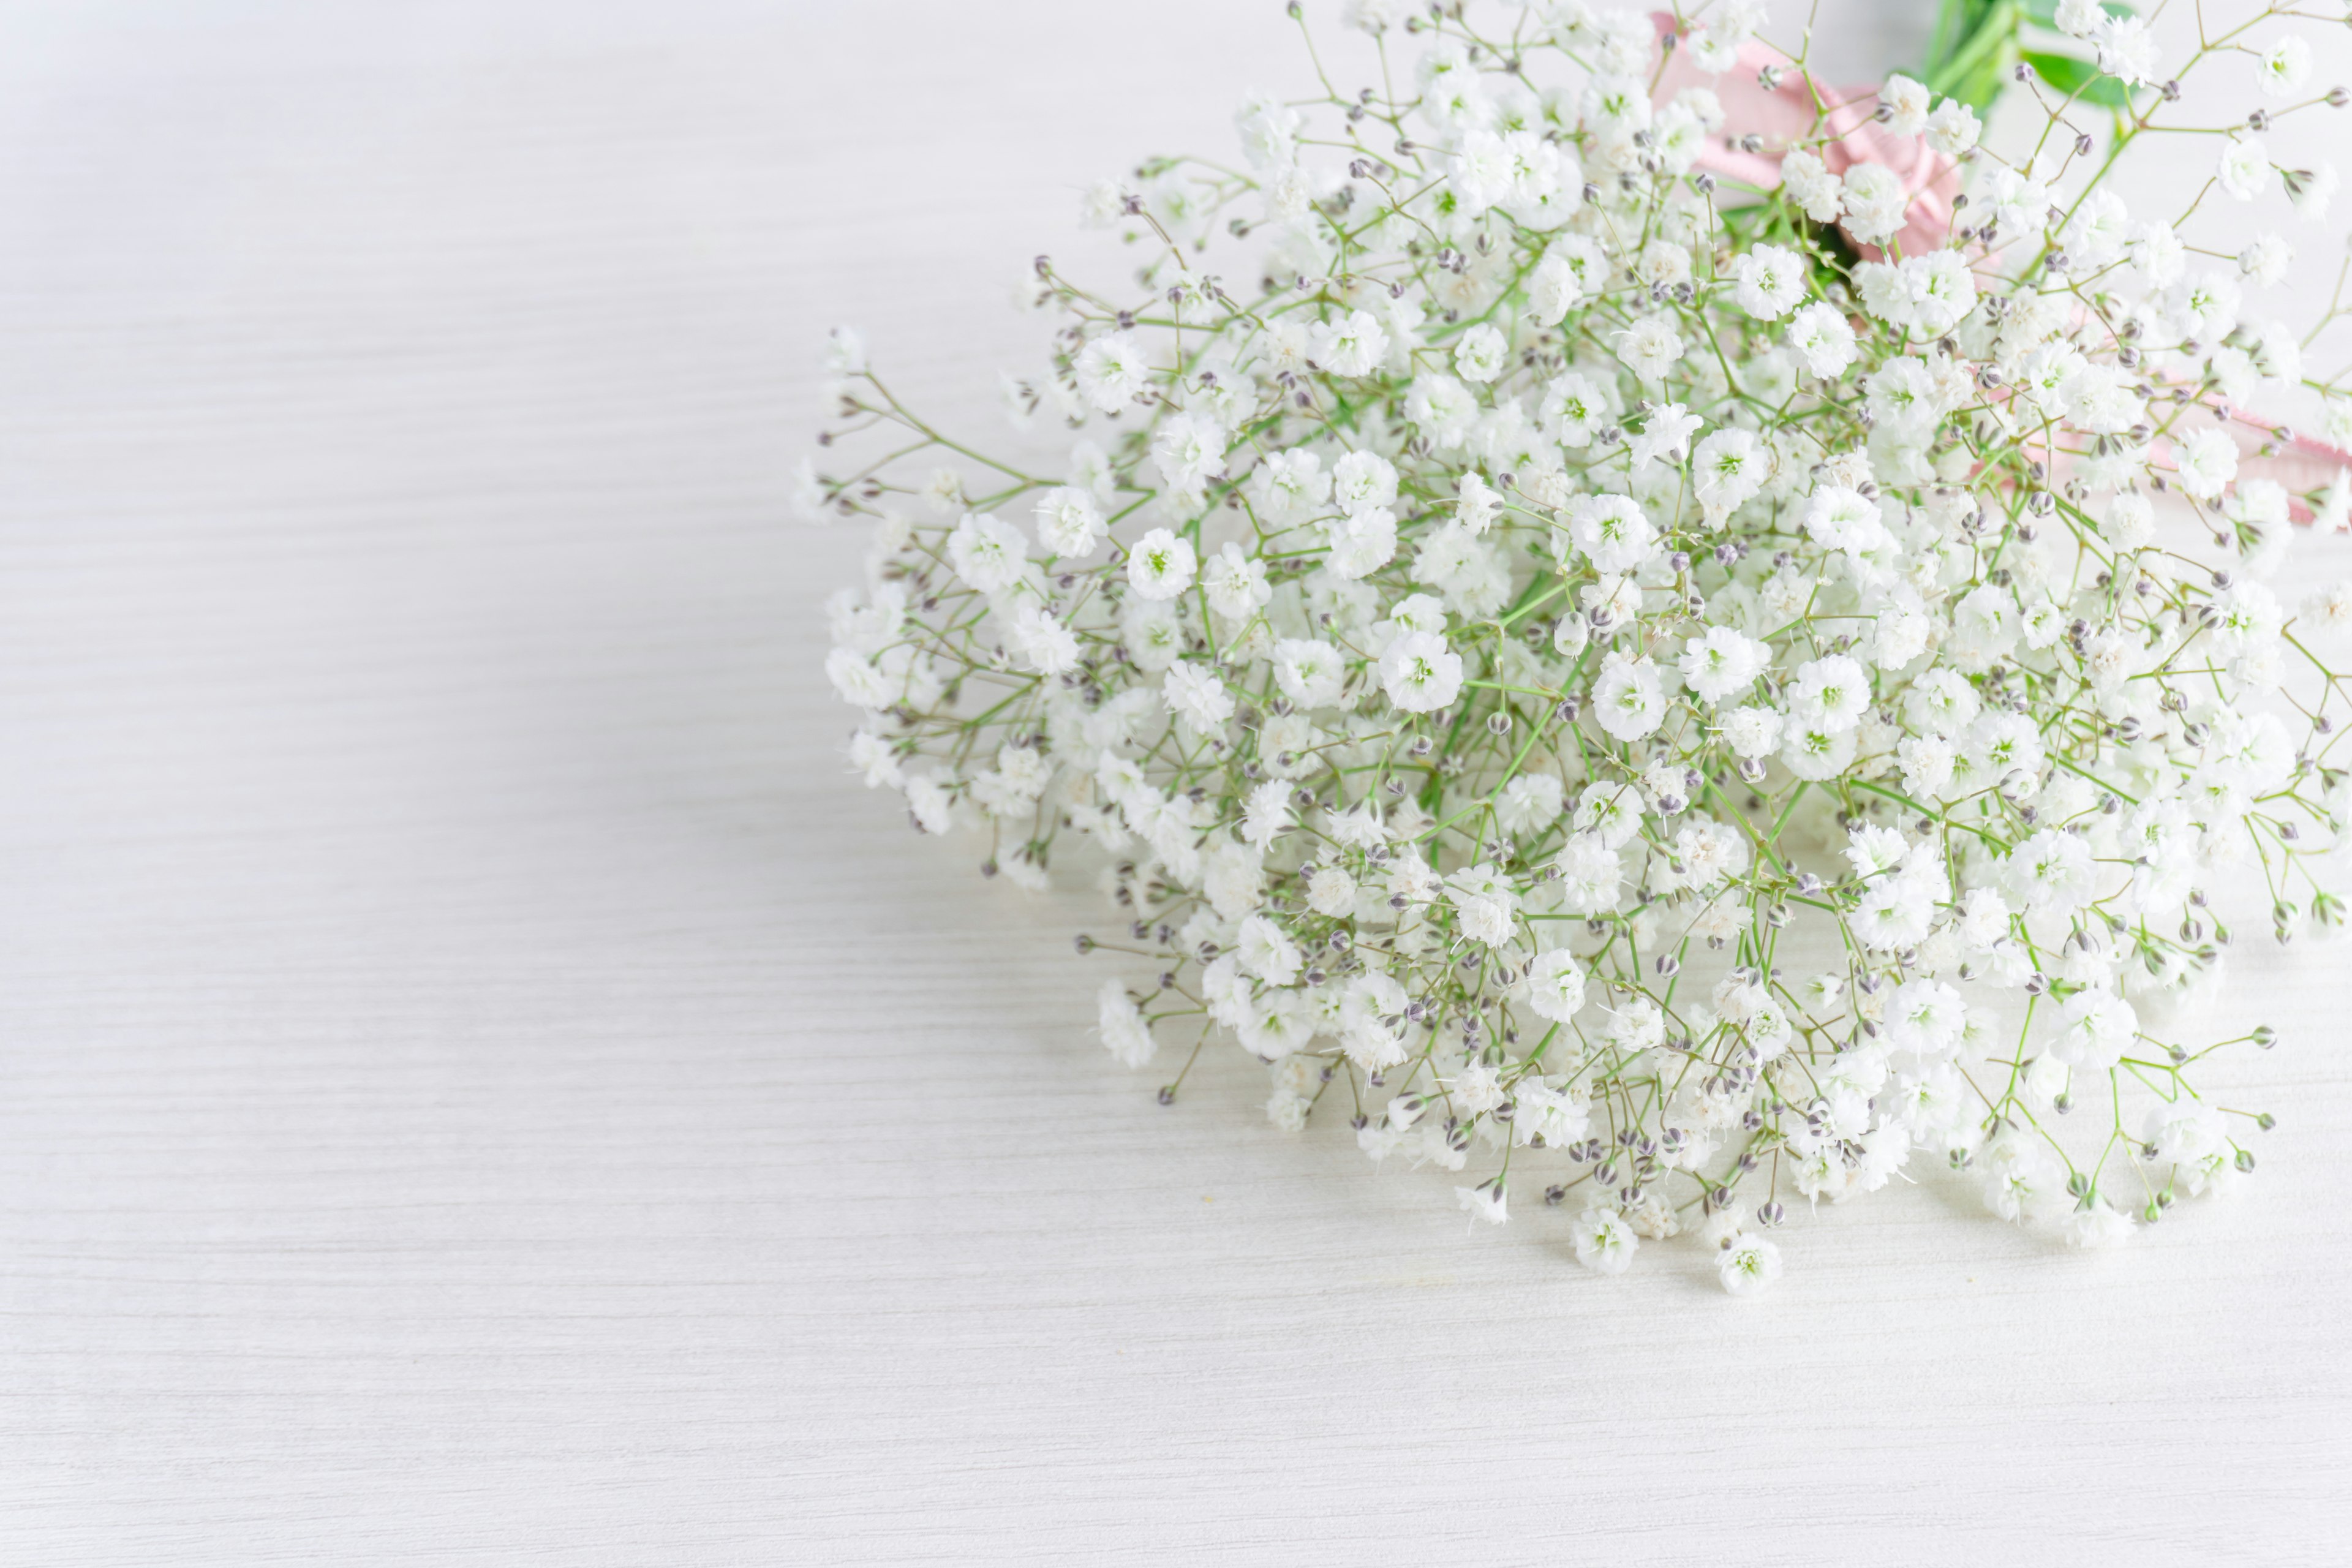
(479, 1084)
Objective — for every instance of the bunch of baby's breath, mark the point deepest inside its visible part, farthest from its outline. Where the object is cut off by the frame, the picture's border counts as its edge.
(1672, 689)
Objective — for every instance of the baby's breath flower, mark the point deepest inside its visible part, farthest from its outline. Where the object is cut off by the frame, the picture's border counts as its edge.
(1690, 703)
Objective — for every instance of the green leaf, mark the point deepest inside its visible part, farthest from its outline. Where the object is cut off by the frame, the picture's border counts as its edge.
(2079, 79)
(1957, 23)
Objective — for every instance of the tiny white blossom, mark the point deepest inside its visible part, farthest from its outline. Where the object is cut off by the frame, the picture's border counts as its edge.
(1111, 370)
(1420, 673)
(1908, 101)
(1160, 565)
(1604, 1242)
(2283, 68)
(1070, 523)
(1119, 1023)
(1747, 1263)
(2245, 167)
(1665, 436)
(1480, 353)
(1771, 280)
(1556, 985)
(1823, 338)
(1953, 129)
(1351, 344)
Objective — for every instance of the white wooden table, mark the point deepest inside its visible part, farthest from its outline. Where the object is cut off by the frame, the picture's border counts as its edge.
(478, 1083)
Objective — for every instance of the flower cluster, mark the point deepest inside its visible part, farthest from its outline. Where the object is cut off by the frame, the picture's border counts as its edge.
(1686, 642)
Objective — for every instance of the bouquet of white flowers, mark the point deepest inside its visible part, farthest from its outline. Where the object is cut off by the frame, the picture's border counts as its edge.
(1636, 651)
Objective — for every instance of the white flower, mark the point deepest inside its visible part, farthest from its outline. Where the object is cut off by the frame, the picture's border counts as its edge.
(1924, 1016)
(2096, 1028)
(1151, 634)
(1044, 644)
(1604, 1242)
(1102, 205)
(1556, 985)
(873, 759)
(987, 555)
(2206, 461)
(1874, 202)
(1119, 1023)
(1352, 345)
(1953, 129)
(1160, 565)
(1811, 186)
(1269, 131)
(1612, 531)
(1666, 434)
(2095, 1224)
(844, 352)
(1727, 470)
(1530, 801)
(2328, 614)
(1262, 949)
(2126, 50)
(2311, 191)
(2245, 168)
(1090, 470)
(1420, 673)
(1311, 673)
(1942, 290)
(1751, 732)
(2052, 870)
(1824, 340)
(1332, 892)
(2129, 520)
(1837, 518)
(2156, 250)
(1476, 505)
(1591, 875)
(1444, 408)
(2283, 67)
(2265, 260)
(1265, 816)
(1480, 353)
(1487, 1201)
(1289, 487)
(1195, 694)
(1628, 700)
(1364, 542)
(1816, 752)
(1188, 451)
(1831, 693)
(1554, 289)
(1747, 1263)
(1361, 480)
(1723, 663)
(2182, 1131)
(1771, 280)
(2019, 202)
(1111, 370)
(1070, 522)
(2206, 304)
(1908, 101)
(1235, 584)
(1650, 347)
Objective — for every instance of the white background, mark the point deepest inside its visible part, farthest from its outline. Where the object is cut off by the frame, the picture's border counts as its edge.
(478, 1082)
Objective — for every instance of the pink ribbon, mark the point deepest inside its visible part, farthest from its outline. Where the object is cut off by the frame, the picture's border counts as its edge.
(1791, 111)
